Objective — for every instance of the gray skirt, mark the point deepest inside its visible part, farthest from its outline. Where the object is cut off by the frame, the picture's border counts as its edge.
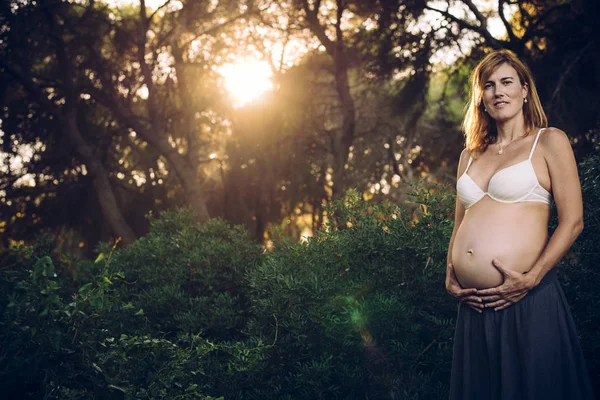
(527, 351)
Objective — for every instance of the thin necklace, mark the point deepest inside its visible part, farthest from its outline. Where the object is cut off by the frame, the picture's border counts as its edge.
(501, 149)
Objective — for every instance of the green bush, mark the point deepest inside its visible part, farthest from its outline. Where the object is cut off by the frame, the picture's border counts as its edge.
(194, 310)
(362, 311)
(47, 328)
(580, 273)
(77, 329)
(188, 277)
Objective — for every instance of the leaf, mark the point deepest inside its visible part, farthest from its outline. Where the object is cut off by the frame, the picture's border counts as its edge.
(191, 387)
(99, 258)
(98, 302)
(117, 388)
(47, 266)
(85, 288)
(44, 267)
(140, 312)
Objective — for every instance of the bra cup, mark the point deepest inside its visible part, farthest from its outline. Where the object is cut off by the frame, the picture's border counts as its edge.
(468, 192)
(513, 183)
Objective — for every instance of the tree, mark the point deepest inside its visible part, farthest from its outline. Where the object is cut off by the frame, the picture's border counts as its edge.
(164, 65)
(36, 57)
(128, 73)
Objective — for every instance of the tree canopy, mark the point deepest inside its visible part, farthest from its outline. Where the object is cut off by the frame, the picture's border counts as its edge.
(111, 111)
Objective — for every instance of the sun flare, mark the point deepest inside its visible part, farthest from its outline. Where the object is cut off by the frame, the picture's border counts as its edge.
(246, 80)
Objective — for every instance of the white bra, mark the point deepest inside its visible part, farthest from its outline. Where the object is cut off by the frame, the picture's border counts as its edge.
(513, 184)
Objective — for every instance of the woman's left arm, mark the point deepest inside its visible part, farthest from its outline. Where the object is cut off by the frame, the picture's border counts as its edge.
(566, 190)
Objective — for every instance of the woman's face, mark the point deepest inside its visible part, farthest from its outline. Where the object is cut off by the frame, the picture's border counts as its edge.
(503, 93)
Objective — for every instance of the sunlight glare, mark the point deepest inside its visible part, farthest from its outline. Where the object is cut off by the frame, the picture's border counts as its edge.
(152, 4)
(246, 81)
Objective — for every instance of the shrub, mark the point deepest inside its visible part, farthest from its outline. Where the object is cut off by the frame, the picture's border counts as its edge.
(47, 328)
(188, 277)
(362, 311)
(580, 273)
(77, 329)
(198, 310)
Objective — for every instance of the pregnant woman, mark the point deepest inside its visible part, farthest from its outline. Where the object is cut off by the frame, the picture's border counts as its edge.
(515, 337)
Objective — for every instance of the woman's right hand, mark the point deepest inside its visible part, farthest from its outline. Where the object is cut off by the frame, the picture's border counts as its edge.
(466, 296)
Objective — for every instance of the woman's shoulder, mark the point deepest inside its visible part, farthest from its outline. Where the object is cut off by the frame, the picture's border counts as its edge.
(552, 131)
(465, 154)
(554, 142)
(553, 137)
(463, 160)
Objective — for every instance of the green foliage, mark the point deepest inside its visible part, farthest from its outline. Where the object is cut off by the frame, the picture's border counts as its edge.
(362, 310)
(47, 323)
(579, 272)
(81, 329)
(198, 311)
(189, 277)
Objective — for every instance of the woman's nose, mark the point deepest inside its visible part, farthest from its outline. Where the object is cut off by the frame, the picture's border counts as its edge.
(498, 92)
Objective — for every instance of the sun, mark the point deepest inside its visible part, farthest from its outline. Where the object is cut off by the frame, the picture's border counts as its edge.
(246, 80)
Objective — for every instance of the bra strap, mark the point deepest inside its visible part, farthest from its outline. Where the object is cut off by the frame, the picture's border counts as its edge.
(468, 164)
(535, 143)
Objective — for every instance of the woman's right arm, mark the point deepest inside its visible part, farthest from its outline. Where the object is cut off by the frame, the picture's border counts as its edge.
(452, 285)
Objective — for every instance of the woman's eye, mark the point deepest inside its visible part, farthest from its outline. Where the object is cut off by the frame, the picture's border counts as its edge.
(507, 82)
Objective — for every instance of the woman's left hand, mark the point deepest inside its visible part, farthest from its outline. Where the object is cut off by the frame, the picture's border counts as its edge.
(515, 286)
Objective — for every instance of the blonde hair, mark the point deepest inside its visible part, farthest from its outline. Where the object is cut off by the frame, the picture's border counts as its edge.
(479, 127)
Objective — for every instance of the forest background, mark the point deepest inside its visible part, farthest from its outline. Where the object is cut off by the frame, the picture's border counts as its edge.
(261, 114)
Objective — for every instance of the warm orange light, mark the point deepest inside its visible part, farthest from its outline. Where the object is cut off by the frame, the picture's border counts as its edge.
(246, 80)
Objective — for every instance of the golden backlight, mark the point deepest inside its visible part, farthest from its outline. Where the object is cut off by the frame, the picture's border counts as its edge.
(246, 80)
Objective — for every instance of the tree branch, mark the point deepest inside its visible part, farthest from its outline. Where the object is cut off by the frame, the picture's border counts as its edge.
(158, 9)
(338, 22)
(567, 72)
(496, 43)
(34, 90)
(480, 17)
(509, 30)
(209, 31)
(312, 17)
(152, 108)
(532, 30)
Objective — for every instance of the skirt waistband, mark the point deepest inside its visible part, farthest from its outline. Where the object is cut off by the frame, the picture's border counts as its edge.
(550, 277)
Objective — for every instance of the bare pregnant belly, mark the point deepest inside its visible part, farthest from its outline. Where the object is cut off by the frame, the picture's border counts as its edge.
(515, 234)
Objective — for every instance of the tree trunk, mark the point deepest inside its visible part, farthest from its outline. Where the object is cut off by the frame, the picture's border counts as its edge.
(104, 192)
(343, 139)
(186, 168)
(102, 187)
